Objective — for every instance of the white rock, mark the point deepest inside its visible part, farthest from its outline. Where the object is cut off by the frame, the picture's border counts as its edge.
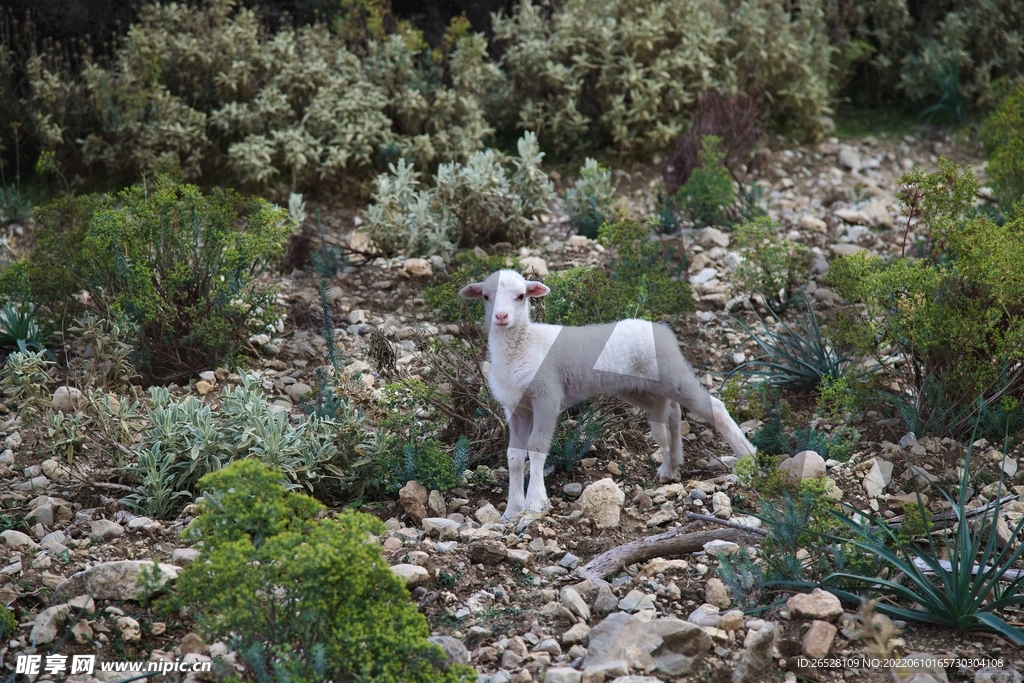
(850, 158)
(814, 224)
(705, 275)
(66, 399)
(843, 249)
(129, 629)
(411, 574)
(417, 267)
(602, 502)
(116, 580)
(534, 265)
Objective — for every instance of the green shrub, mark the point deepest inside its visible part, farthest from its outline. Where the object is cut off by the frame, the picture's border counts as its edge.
(588, 201)
(187, 439)
(1003, 135)
(302, 599)
(179, 265)
(946, 328)
(638, 284)
(708, 193)
(590, 74)
(8, 623)
(773, 267)
(408, 447)
(473, 204)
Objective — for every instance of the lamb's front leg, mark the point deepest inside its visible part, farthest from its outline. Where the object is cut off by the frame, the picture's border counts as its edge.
(519, 435)
(545, 419)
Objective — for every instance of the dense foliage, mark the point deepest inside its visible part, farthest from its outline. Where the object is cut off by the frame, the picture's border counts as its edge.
(301, 598)
(179, 265)
(946, 327)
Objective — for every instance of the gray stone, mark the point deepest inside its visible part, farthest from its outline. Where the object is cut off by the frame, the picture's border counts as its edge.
(116, 581)
(573, 489)
(436, 504)
(487, 551)
(572, 600)
(990, 674)
(576, 634)
(452, 647)
(644, 645)
(488, 514)
(802, 466)
(818, 639)
(636, 601)
(17, 540)
(705, 615)
(605, 601)
(413, 497)
(183, 556)
(569, 561)
(844, 249)
(47, 624)
(106, 530)
(817, 604)
(562, 674)
(716, 593)
(757, 657)
(297, 390)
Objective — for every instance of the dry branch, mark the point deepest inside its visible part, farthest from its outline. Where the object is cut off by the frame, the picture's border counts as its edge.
(676, 542)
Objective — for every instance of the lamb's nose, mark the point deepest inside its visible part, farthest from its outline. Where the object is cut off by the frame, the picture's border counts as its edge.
(501, 317)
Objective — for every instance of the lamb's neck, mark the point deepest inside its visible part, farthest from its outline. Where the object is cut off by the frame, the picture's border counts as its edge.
(502, 344)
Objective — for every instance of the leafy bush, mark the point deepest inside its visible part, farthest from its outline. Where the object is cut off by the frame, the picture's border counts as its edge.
(187, 439)
(23, 382)
(588, 201)
(103, 353)
(407, 444)
(206, 89)
(639, 283)
(619, 74)
(179, 265)
(708, 193)
(794, 356)
(732, 119)
(946, 328)
(302, 599)
(473, 204)
(773, 267)
(1003, 135)
(889, 52)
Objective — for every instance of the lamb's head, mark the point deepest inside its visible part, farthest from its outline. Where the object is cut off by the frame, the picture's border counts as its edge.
(506, 297)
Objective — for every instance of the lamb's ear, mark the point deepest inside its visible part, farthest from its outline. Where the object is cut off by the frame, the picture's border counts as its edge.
(474, 290)
(537, 289)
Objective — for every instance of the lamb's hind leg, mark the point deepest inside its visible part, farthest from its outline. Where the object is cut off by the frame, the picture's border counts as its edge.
(664, 423)
(688, 392)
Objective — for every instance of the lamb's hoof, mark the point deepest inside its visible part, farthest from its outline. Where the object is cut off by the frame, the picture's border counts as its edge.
(513, 513)
(668, 477)
(537, 506)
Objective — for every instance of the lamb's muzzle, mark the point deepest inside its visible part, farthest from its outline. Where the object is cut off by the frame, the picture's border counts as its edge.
(539, 370)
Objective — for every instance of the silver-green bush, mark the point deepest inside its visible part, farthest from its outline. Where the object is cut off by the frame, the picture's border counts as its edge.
(477, 203)
(625, 74)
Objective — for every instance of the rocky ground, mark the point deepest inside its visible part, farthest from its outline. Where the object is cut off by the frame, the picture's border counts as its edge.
(506, 597)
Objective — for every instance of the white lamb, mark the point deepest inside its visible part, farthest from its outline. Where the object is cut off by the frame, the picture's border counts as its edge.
(539, 370)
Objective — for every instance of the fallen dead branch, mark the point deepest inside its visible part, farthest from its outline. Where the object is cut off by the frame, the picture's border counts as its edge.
(676, 542)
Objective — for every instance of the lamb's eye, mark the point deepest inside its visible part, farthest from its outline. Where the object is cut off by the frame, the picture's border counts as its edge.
(520, 297)
(486, 298)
